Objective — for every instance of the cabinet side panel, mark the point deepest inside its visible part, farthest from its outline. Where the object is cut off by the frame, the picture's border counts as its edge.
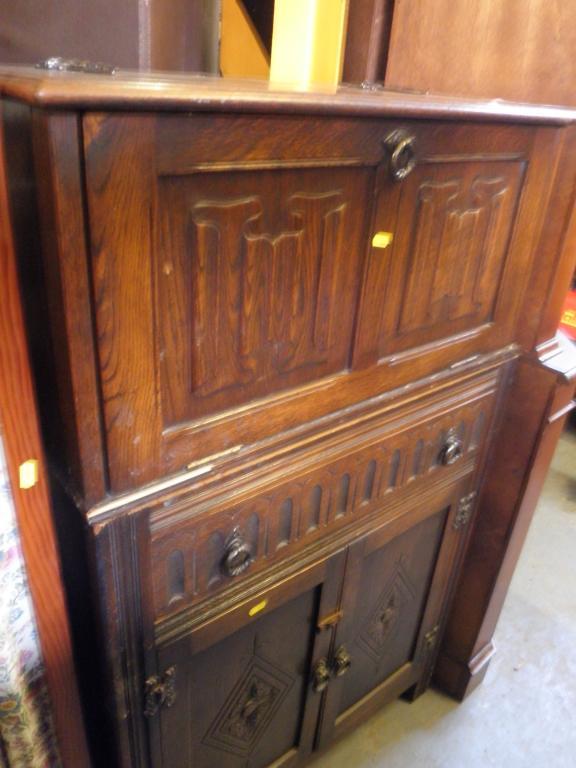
(73, 414)
(554, 267)
(119, 163)
(535, 408)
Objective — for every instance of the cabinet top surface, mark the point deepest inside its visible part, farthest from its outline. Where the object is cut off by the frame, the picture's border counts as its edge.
(126, 90)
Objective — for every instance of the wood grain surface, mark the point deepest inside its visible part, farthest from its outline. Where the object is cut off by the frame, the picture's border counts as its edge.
(22, 442)
(498, 49)
(367, 39)
(164, 91)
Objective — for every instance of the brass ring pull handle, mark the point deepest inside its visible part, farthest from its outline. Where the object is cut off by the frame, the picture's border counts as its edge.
(321, 675)
(401, 147)
(451, 450)
(237, 557)
(342, 662)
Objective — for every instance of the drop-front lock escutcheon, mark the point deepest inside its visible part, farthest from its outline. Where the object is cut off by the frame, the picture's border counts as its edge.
(401, 146)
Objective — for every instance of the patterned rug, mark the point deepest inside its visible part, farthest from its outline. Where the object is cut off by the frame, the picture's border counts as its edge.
(26, 733)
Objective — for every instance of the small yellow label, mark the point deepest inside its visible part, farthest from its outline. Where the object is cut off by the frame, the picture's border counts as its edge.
(382, 239)
(257, 608)
(28, 474)
(569, 318)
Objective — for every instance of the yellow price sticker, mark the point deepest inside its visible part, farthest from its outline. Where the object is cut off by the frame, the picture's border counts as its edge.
(382, 239)
(257, 608)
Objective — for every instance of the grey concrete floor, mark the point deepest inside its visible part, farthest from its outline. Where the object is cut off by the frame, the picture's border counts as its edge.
(524, 714)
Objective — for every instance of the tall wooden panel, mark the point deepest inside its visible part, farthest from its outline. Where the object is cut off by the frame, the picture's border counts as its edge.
(134, 34)
(521, 50)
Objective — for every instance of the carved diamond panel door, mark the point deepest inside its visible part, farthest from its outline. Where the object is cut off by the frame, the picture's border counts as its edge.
(243, 696)
(396, 587)
(392, 589)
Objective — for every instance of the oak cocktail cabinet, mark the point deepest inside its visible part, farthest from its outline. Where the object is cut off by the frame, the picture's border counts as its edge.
(297, 361)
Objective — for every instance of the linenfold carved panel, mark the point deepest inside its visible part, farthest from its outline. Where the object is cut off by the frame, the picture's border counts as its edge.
(275, 521)
(258, 283)
(450, 251)
(454, 251)
(273, 318)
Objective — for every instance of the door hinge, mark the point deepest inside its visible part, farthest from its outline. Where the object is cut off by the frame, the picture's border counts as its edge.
(159, 691)
(464, 511)
(60, 64)
(431, 637)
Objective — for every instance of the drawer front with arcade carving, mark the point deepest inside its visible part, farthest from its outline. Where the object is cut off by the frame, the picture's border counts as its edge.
(207, 544)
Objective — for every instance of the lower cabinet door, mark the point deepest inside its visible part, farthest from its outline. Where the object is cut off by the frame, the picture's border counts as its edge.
(265, 682)
(395, 591)
(242, 682)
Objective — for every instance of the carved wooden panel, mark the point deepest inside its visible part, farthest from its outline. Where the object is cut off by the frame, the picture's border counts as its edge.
(249, 708)
(450, 251)
(458, 237)
(279, 516)
(237, 296)
(258, 277)
(392, 586)
(240, 701)
(377, 632)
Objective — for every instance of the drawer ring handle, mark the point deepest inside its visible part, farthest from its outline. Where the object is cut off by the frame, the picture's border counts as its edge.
(401, 147)
(452, 449)
(237, 555)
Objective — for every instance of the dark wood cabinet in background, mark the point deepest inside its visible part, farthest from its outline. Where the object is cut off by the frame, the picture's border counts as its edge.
(181, 36)
(488, 49)
(280, 342)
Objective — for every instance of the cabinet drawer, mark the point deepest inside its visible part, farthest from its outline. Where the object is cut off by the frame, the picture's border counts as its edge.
(222, 535)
